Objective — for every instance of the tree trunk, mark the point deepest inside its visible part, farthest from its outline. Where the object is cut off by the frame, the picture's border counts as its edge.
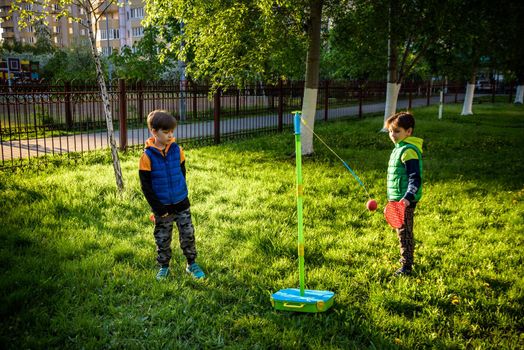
(519, 94)
(393, 86)
(309, 104)
(467, 107)
(107, 109)
(391, 99)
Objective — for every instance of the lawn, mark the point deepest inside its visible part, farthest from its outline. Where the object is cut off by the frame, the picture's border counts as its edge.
(78, 259)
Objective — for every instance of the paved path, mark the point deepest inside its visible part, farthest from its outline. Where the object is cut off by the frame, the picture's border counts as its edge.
(15, 149)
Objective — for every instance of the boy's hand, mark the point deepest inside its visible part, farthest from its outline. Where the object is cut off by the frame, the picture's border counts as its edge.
(405, 201)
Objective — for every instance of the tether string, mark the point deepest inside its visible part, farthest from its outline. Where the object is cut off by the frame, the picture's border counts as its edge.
(335, 153)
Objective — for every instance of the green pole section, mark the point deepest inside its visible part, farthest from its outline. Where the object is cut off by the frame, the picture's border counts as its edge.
(300, 199)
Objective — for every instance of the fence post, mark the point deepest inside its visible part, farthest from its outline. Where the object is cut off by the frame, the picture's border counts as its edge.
(68, 111)
(511, 91)
(280, 105)
(123, 113)
(195, 101)
(326, 100)
(360, 99)
(140, 88)
(238, 102)
(493, 88)
(216, 115)
(428, 93)
(410, 96)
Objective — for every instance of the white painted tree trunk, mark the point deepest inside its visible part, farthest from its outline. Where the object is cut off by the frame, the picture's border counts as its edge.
(309, 110)
(391, 100)
(519, 95)
(467, 107)
(309, 104)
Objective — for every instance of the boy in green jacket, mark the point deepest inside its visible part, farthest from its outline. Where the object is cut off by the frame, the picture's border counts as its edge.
(405, 180)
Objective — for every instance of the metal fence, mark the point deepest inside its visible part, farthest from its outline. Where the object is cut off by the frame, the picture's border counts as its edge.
(38, 122)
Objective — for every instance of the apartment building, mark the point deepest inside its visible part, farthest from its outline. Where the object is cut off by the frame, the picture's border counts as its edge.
(119, 25)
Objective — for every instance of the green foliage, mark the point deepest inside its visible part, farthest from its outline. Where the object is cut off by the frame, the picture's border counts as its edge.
(71, 64)
(142, 62)
(232, 42)
(78, 261)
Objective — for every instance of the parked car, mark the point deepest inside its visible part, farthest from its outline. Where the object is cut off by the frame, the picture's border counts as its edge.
(483, 85)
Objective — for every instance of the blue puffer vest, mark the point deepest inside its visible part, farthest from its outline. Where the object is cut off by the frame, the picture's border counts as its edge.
(168, 182)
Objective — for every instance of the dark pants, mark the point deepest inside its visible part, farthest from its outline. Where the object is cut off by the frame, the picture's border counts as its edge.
(406, 239)
(164, 232)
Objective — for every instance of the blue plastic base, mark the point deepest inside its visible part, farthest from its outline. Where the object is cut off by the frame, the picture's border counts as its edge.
(312, 300)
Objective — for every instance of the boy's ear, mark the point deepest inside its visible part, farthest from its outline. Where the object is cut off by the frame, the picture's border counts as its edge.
(409, 131)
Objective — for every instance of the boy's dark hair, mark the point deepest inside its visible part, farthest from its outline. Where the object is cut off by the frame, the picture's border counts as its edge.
(404, 120)
(161, 120)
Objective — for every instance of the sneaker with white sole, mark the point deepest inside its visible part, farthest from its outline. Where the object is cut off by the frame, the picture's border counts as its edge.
(195, 271)
(162, 273)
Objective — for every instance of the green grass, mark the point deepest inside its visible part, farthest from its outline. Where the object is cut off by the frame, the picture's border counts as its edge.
(78, 260)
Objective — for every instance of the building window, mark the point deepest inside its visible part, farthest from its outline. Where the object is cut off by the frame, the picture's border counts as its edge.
(137, 12)
(56, 29)
(106, 51)
(31, 39)
(138, 31)
(30, 29)
(113, 34)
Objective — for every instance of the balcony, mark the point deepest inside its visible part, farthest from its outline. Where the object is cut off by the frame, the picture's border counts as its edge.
(5, 3)
(8, 35)
(8, 23)
(4, 12)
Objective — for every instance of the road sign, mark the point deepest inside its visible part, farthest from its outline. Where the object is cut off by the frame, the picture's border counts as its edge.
(13, 64)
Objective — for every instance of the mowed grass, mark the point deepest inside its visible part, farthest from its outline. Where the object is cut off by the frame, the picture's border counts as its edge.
(78, 259)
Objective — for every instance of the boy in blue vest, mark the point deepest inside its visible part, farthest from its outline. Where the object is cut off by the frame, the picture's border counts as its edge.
(405, 180)
(162, 174)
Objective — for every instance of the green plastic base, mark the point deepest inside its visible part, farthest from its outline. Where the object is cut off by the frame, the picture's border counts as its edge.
(312, 300)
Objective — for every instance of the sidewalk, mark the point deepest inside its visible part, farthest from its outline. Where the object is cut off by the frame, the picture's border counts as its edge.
(14, 149)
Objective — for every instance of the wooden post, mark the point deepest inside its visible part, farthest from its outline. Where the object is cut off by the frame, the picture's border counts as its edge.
(123, 113)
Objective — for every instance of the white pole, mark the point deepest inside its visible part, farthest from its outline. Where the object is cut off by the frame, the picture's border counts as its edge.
(441, 105)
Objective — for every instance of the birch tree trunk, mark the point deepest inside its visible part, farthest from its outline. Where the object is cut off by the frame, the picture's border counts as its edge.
(309, 104)
(391, 99)
(519, 94)
(107, 109)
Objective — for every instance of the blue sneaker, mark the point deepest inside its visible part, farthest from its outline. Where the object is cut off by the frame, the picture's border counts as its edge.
(162, 273)
(195, 271)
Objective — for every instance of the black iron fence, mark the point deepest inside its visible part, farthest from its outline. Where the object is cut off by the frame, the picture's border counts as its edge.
(37, 121)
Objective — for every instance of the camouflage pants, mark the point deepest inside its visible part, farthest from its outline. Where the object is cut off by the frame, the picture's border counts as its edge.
(406, 239)
(164, 232)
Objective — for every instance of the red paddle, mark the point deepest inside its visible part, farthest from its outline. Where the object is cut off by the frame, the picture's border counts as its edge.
(394, 214)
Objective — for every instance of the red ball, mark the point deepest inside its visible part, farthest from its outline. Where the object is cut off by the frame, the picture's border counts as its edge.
(371, 205)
